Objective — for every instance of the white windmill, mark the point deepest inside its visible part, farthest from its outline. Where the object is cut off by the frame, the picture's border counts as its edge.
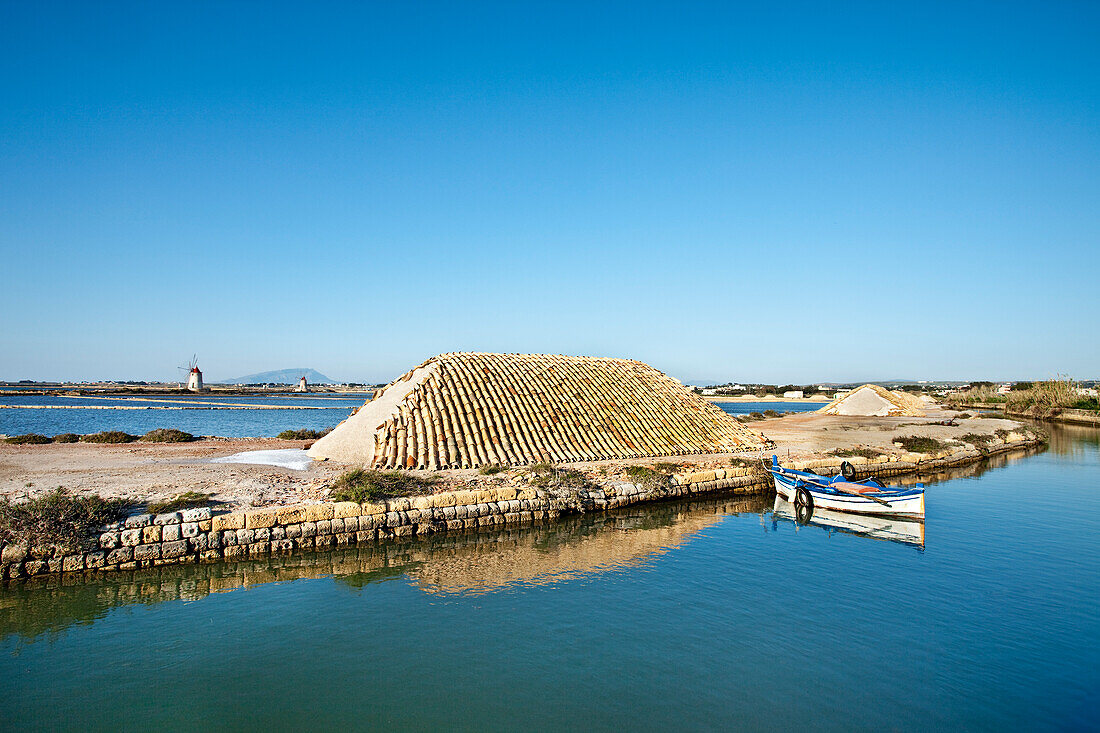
(303, 385)
(194, 375)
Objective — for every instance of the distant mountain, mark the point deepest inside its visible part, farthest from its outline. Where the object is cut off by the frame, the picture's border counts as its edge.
(280, 376)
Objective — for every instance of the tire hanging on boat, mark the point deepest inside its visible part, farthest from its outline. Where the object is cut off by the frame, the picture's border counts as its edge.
(847, 470)
(802, 498)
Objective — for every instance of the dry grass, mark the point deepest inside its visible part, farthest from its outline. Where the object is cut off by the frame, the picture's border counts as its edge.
(362, 484)
(57, 519)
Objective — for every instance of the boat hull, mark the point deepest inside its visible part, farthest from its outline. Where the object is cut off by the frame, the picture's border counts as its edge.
(907, 504)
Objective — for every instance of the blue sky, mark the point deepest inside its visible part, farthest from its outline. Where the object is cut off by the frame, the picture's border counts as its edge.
(755, 192)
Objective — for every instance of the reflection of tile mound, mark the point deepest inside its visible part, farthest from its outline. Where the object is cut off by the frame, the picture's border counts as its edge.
(467, 410)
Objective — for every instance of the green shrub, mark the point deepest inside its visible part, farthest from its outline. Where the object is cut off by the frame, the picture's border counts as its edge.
(66, 438)
(363, 484)
(919, 443)
(167, 435)
(186, 500)
(57, 519)
(490, 470)
(859, 451)
(771, 413)
(109, 436)
(28, 439)
(303, 434)
(547, 475)
(649, 478)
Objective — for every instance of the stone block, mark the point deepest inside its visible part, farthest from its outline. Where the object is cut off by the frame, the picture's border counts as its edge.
(290, 514)
(261, 518)
(512, 518)
(454, 525)
(147, 552)
(507, 493)
(235, 552)
(199, 543)
(460, 511)
(324, 527)
(131, 537)
(336, 526)
(343, 539)
(72, 563)
(369, 508)
(423, 502)
(213, 540)
(34, 567)
(189, 530)
(343, 509)
(150, 534)
(309, 529)
(412, 516)
(317, 512)
(261, 534)
(278, 532)
(138, 521)
(196, 514)
(170, 532)
(258, 549)
(245, 536)
(366, 535)
(282, 546)
(177, 548)
(167, 518)
(110, 540)
(120, 555)
(322, 540)
(229, 537)
(400, 504)
(445, 499)
(227, 521)
(306, 543)
(293, 531)
(13, 554)
(405, 530)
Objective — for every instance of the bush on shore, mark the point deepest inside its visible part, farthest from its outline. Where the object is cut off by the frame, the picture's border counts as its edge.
(186, 500)
(303, 434)
(167, 435)
(546, 475)
(858, 451)
(919, 443)
(362, 484)
(109, 436)
(57, 519)
(66, 438)
(28, 439)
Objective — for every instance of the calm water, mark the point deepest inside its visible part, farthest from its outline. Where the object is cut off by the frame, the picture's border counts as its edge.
(230, 423)
(328, 410)
(682, 615)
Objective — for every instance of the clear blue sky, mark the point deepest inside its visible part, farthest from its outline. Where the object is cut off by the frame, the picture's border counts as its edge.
(758, 192)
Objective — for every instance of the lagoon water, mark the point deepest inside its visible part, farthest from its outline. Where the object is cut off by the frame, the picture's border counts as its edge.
(55, 414)
(683, 615)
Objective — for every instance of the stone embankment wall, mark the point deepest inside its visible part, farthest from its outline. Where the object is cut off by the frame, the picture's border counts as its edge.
(198, 535)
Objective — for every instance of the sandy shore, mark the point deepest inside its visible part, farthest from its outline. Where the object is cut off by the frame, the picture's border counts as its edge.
(150, 471)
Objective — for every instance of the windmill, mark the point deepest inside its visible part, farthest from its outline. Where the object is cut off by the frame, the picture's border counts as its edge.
(303, 385)
(194, 375)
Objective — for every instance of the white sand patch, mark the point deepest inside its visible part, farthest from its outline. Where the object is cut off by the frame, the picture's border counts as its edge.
(292, 458)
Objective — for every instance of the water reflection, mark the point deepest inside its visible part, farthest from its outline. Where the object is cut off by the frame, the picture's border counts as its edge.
(475, 562)
(879, 528)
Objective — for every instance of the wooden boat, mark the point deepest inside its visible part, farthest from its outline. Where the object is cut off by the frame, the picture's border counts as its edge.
(842, 494)
(902, 530)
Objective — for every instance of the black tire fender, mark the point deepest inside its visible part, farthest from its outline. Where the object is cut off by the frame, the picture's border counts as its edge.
(802, 498)
(847, 470)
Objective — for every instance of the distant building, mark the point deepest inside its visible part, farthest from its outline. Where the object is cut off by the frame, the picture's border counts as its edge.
(1005, 388)
(794, 394)
(710, 392)
(303, 386)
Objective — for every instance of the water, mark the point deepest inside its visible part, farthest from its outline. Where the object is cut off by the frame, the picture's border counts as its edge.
(327, 410)
(224, 422)
(710, 614)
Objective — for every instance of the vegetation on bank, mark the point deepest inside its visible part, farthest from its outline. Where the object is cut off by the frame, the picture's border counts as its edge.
(859, 451)
(57, 519)
(167, 435)
(362, 484)
(109, 436)
(918, 443)
(546, 476)
(186, 500)
(66, 438)
(28, 439)
(490, 470)
(303, 434)
(655, 477)
(1038, 399)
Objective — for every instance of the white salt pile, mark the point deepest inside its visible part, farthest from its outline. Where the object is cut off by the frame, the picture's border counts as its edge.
(292, 458)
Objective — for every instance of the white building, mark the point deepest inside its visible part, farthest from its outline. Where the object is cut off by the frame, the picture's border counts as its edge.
(194, 379)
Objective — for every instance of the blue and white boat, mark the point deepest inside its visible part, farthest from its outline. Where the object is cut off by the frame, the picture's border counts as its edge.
(842, 494)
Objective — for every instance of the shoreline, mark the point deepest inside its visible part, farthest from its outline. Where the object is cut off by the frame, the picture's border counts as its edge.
(199, 535)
